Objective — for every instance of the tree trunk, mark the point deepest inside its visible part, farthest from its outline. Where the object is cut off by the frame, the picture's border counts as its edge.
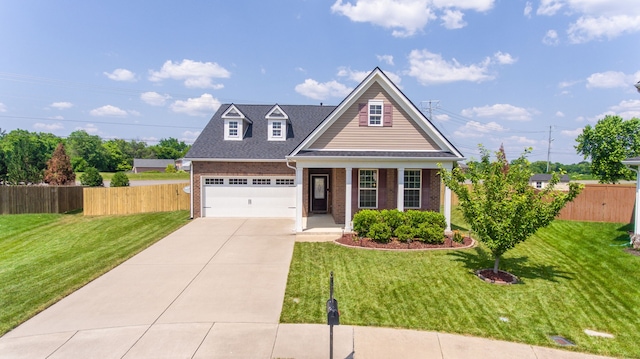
(495, 264)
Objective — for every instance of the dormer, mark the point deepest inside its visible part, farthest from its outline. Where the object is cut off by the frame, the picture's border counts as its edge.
(235, 124)
(277, 121)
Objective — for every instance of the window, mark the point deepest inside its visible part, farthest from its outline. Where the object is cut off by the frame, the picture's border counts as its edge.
(368, 192)
(237, 181)
(276, 129)
(538, 184)
(261, 181)
(412, 185)
(375, 113)
(233, 128)
(213, 181)
(285, 181)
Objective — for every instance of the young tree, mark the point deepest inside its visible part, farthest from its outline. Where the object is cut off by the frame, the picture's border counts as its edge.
(59, 171)
(501, 207)
(609, 142)
(89, 147)
(119, 179)
(92, 178)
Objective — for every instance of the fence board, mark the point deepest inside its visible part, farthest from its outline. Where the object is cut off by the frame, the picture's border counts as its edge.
(39, 199)
(130, 200)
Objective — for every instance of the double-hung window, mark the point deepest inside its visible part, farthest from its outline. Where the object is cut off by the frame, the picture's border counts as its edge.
(375, 113)
(276, 129)
(412, 185)
(233, 129)
(368, 189)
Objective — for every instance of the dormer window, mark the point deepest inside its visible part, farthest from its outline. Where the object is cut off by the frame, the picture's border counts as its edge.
(234, 124)
(375, 113)
(276, 129)
(277, 124)
(233, 128)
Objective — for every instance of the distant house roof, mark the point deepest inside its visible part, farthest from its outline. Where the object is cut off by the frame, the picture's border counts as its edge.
(545, 177)
(633, 161)
(152, 163)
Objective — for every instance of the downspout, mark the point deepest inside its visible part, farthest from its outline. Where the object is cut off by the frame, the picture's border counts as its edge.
(191, 191)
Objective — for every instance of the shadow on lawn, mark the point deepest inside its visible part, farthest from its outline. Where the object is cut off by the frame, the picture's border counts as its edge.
(479, 258)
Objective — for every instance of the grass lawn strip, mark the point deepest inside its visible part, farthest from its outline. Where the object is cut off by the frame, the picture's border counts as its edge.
(574, 275)
(45, 257)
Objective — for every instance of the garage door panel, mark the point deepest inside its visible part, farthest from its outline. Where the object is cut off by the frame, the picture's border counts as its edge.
(249, 201)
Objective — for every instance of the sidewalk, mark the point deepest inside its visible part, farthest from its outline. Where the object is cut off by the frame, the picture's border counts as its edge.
(214, 289)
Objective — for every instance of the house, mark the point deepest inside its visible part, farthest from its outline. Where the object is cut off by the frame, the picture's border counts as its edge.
(541, 180)
(146, 165)
(374, 150)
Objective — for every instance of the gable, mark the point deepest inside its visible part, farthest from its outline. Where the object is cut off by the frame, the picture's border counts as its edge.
(349, 133)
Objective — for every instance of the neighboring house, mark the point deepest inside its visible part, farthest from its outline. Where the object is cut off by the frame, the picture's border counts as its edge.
(374, 150)
(145, 165)
(183, 165)
(541, 181)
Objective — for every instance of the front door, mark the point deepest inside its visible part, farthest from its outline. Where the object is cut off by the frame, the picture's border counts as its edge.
(319, 193)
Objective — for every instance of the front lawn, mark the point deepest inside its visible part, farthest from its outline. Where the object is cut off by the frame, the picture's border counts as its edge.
(44, 257)
(574, 276)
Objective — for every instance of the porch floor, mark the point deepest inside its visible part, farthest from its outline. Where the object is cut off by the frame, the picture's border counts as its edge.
(321, 224)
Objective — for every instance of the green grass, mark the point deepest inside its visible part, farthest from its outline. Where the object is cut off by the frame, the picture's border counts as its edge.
(44, 257)
(574, 276)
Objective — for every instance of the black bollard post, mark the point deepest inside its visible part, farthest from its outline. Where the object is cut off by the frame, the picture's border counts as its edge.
(333, 315)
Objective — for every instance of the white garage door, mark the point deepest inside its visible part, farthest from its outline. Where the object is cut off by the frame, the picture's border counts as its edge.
(249, 197)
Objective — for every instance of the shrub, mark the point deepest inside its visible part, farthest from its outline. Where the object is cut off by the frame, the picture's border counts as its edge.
(91, 177)
(380, 232)
(417, 218)
(457, 236)
(405, 233)
(364, 219)
(393, 217)
(170, 169)
(430, 234)
(119, 179)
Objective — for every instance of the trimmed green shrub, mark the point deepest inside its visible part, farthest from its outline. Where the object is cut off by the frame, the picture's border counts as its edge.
(119, 179)
(405, 233)
(430, 234)
(416, 218)
(364, 219)
(170, 169)
(91, 177)
(380, 232)
(394, 218)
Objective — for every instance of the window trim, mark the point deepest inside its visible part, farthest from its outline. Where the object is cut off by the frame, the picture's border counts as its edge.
(283, 130)
(380, 116)
(374, 188)
(413, 189)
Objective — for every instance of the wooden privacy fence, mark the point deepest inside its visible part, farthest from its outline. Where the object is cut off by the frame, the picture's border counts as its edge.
(39, 199)
(596, 203)
(130, 200)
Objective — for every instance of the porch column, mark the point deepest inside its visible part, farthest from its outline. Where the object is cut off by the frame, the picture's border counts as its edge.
(447, 207)
(347, 200)
(401, 189)
(636, 219)
(299, 202)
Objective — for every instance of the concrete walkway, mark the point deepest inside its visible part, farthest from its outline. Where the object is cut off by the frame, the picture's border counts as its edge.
(214, 289)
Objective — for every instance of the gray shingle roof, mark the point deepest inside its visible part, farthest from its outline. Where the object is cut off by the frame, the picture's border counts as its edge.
(158, 163)
(303, 119)
(547, 177)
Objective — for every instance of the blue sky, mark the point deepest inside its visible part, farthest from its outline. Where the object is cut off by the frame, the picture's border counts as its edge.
(495, 71)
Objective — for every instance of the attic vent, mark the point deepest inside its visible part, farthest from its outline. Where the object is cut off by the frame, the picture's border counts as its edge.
(233, 113)
(277, 113)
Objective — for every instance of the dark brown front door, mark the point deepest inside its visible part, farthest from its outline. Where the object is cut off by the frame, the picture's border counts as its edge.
(319, 193)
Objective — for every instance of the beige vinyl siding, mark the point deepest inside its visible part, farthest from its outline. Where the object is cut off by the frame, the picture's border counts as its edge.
(347, 134)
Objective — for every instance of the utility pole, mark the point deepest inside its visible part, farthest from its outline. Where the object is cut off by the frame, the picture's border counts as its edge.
(549, 149)
(430, 105)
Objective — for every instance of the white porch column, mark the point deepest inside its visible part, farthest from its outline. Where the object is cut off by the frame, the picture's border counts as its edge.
(347, 201)
(447, 207)
(636, 226)
(299, 202)
(401, 189)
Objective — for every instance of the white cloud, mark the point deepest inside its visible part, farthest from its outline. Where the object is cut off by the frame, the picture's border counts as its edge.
(154, 99)
(194, 74)
(521, 140)
(611, 79)
(88, 128)
(501, 111)
(388, 59)
(452, 19)
(627, 109)
(121, 75)
(477, 5)
(565, 84)
(3, 108)
(592, 28)
(442, 117)
(429, 68)
(48, 126)
(190, 136)
(352, 75)
(322, 91)
(108, 110)
(549, 7)
(61, 105)
(527, 9)
(477, 129)
(551, 38)
(572, 133)
(559, 114)
(204, 105)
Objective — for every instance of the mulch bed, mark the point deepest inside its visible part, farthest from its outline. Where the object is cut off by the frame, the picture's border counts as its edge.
(351, 240)
(501, 277)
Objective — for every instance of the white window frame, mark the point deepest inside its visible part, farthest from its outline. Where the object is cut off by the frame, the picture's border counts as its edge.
(539, 184)
(373, 117)
(272, 129)
(410, 187)
(374, 186)
(228, 130)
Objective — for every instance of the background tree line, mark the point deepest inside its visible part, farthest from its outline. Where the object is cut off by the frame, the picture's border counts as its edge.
(24, 154)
